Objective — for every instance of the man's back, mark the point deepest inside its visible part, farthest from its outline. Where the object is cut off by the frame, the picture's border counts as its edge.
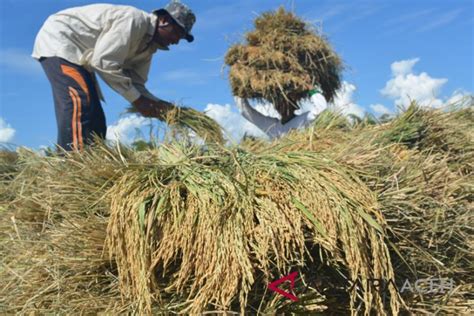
(70, 33)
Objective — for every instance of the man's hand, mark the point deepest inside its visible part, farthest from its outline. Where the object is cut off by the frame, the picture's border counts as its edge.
(151, 108)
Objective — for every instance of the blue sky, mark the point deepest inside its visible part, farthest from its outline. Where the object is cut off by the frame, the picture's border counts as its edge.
(392, 49)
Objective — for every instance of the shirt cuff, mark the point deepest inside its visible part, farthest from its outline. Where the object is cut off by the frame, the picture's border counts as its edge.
(132, 94)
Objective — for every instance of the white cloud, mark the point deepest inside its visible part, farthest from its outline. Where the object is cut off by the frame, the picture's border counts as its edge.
(234, 124)
(125, 129)
(405, 86)
(344, 100)
(403, 67)
(6, 132)
(380, 109)
(18, 60)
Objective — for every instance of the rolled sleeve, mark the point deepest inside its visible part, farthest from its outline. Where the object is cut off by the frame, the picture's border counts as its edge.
(132, 94)
(265, 123)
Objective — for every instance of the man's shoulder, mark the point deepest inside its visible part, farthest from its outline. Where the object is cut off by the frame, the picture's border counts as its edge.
(111, 10)
(127, 11)
(130, 10)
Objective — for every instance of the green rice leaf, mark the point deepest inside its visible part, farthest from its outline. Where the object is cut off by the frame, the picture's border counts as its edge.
(370, 220)
(319, 227)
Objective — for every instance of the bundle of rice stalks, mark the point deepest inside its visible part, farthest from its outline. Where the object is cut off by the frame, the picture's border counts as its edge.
(428, 206)
(182, 120)
(440, 131)
(329, 129)
(59, 269)
(8, 159)
(52, 234)
(281, 61)
(444, 131)
(429, 211)
(202, 227)
(42, 186)
(420, 166)
(187, 230)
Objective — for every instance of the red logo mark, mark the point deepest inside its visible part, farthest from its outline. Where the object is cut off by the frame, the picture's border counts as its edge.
(274, 286)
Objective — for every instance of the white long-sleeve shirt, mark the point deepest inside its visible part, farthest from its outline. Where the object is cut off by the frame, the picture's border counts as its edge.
(111, 40)
(272, 126)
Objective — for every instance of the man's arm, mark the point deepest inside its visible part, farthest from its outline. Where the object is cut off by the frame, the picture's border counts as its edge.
(265, 123)
(255, 117)
(272, 126)
(147, 104)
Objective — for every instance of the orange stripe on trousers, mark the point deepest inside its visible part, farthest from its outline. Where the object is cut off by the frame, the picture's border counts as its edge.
(78, 121)
(74, 116)
(74, 74)
(78, 118)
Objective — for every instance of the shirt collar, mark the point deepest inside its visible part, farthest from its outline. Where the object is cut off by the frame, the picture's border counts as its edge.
(152, 25)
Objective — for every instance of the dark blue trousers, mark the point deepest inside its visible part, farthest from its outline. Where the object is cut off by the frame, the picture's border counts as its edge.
(79, 114)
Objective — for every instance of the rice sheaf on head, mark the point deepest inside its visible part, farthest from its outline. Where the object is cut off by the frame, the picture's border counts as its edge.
(281, 60)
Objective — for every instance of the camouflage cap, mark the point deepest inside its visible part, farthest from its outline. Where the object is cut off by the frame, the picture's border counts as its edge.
(182, 15)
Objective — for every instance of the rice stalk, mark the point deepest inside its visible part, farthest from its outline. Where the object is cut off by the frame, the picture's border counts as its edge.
(182, 120)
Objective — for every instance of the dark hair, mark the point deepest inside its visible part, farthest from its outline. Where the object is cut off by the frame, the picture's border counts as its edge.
(161, 12)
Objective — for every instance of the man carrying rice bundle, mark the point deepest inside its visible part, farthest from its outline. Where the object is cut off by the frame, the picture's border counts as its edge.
(283, 61)
(117, 42)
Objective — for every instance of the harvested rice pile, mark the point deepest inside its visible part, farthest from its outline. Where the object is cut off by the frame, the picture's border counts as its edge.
(189, 229)
(281, 60)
